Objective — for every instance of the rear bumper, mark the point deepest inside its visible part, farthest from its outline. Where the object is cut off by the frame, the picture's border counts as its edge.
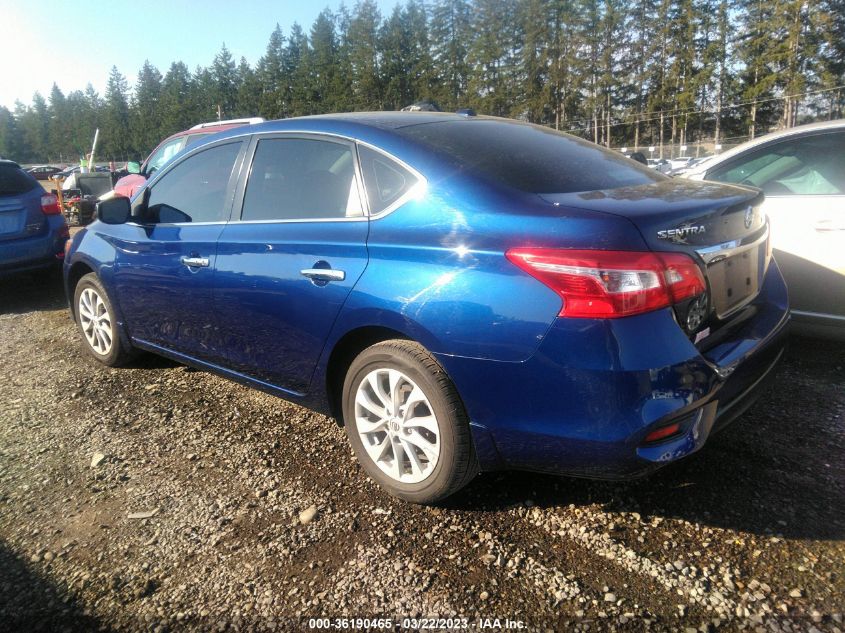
(584, 403)
(34, 253)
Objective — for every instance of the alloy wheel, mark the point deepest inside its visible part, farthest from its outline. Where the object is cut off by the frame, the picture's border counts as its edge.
(96, 321)
(397, 426)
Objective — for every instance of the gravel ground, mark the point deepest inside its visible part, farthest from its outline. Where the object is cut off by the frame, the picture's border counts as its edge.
(157, 497)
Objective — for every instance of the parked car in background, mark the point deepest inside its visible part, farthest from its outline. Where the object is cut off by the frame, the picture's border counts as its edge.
(33, 230)
(660, 165)
(688, 166)
(168, 148)
(75, 169)
(462, 292)
(43, 172)
(802, 173)
(680, 162)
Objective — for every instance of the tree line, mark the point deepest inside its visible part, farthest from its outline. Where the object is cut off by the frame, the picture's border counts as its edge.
(619, 72)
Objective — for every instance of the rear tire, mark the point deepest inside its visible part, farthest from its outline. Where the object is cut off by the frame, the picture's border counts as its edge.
(406, 423)
(96, 319)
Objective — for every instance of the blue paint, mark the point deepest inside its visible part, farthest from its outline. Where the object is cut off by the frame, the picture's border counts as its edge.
(542, 392)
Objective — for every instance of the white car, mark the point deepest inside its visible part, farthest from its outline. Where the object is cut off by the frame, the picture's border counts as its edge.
(802, 172)
(660, 164)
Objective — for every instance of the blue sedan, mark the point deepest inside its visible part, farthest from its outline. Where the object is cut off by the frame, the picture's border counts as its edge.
(33, 231)
(462, 293)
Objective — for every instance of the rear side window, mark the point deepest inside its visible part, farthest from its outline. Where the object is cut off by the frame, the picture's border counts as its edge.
(14, 181)
(808, 165)
(385, 179)
(528, 157)
(302, 179)
(195, 189)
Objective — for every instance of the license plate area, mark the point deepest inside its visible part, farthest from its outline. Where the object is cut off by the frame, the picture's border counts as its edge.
(734, 280)
(10, 222)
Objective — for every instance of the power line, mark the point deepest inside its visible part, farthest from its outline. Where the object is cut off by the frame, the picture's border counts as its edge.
(650, 115)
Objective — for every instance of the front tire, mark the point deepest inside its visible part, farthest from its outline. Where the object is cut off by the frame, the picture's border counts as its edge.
(406, 422)
(96, 319)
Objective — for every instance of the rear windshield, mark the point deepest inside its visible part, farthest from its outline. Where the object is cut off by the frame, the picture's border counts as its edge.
(529, 157)
(13, 181)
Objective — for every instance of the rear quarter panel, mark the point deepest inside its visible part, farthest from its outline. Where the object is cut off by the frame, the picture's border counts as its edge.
(437, 269)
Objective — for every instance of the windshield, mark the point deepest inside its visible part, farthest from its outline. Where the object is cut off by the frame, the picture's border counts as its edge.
(163, 154)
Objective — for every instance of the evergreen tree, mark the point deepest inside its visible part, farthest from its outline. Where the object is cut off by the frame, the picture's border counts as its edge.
(58, 129)
(249, 91)
(491, 55)
(342, 86)
(271, 72)
(11, 143)
(34, 125)
(298, 74)
(364, 59)
(620, 72)
(175, 102)
(322, 67)
(146, 117)
(451, 32)
(422, 77)
(758, 77)
(395, 46)
(114, 134)
(225, 76)
(204, 97)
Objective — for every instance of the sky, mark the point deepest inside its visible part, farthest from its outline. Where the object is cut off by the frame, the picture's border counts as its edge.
(76, 42)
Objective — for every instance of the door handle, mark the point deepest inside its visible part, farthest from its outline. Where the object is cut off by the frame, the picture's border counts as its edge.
(194, 262)
(323, 274)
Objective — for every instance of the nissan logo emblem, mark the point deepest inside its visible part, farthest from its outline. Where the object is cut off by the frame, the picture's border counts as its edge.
(749, 217)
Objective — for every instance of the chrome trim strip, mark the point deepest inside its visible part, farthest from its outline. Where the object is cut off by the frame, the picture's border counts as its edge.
(362, 218)
(718, 252)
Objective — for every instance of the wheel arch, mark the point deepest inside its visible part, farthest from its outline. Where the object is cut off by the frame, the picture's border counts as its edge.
(344, 352)
(77, 271)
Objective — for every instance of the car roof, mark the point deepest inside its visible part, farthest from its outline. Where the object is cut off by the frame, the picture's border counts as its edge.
(213, 127)
(798, 130)
(10, 163)
(366, 126)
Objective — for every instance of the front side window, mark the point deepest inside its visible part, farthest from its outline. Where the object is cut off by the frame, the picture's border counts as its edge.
(162, 155)
(195, 189)
(302, 179)
(809, 165)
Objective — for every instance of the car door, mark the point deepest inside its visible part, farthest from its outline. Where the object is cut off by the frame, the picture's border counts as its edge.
(803, 178)
(289, 258)
(164, 264)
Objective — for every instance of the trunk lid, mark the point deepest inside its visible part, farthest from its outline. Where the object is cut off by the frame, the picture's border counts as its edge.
(721, 227)
(677, 215)
(20, 204)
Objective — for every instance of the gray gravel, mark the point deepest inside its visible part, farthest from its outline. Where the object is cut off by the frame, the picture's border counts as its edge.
(157, 497)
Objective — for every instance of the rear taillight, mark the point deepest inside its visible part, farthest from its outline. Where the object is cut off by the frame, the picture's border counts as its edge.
(50, 204)
(611, 284)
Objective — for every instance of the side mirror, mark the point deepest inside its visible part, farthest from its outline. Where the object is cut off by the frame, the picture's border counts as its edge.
(133, 168)
(114, 210)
